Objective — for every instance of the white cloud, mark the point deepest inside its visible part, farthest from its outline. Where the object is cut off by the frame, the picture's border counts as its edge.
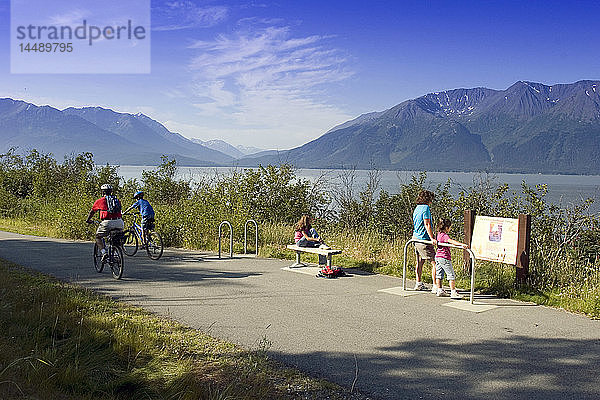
(269, 84)
(176, 15)
(70, 18)
(218, 94)
(173, 93)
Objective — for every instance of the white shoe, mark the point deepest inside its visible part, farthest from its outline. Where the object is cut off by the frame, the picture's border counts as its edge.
(455, 295)
(324, 247)
(441, 293)
(420, 286)
(434, 289)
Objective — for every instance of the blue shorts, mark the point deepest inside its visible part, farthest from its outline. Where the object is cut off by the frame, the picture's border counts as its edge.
(443, 265)
(147, 223)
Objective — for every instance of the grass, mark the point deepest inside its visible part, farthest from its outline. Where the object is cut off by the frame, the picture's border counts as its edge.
(60, 341)
(26, 227)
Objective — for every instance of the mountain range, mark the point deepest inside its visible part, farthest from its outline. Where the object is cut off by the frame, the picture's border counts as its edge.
(116, 138)
(226, 148)
(529, 127)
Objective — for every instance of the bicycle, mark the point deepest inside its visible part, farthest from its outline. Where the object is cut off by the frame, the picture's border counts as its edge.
(114, 253)
(133, 238)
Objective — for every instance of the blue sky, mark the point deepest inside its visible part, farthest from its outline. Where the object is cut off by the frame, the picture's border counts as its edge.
(277, 74)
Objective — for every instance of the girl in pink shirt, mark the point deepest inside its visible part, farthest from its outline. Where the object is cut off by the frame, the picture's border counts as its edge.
(443, 263)
(307, 236)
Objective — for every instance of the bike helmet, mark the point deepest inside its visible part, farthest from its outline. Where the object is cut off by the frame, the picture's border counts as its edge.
(138, 195)
(106, 189)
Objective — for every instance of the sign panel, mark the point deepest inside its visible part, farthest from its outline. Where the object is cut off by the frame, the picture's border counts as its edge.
(495, 239)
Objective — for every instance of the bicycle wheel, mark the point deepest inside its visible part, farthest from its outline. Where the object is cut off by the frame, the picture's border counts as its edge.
(98, 259)
(130, 247)
(116, 262)
(154, 245)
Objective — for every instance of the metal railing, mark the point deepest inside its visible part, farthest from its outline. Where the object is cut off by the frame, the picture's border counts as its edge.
(255, 236)
(230, 238)
(440, 244)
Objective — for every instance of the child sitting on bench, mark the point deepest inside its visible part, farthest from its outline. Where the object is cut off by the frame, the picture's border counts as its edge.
(307, 236)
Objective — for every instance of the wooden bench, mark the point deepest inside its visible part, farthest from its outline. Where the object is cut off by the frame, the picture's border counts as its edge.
(314, 250)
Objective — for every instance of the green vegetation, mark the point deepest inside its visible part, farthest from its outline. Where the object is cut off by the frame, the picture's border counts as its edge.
(60, 341)
(39, 195)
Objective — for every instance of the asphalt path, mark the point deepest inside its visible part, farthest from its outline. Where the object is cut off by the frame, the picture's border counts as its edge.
(346, 330)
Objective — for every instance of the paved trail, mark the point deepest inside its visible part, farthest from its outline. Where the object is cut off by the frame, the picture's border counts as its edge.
(415, 347)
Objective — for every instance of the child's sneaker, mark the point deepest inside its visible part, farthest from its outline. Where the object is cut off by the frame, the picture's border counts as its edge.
(420, 286)
(441, 293)
(324, 247)
(455, 295)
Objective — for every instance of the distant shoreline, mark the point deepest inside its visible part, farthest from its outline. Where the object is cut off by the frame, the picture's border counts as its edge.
(366, 170)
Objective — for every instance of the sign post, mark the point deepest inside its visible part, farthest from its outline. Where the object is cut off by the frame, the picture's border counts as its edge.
(468, 226)
(523, 247)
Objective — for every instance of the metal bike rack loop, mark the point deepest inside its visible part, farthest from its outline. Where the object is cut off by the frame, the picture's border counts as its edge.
(246, 236)
(440, 244)
(230, 238)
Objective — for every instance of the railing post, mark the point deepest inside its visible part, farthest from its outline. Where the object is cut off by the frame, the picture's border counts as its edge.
(468, 251)
(230, 238)
(472, 256)
(255, 236)
(405, 261)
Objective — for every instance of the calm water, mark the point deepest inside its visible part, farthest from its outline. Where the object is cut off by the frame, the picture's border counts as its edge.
(562, 189)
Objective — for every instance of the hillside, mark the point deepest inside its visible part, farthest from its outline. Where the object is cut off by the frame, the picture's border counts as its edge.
(118, 138)
(529, 127)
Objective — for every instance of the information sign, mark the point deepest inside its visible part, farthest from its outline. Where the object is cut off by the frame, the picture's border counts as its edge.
(495, 239)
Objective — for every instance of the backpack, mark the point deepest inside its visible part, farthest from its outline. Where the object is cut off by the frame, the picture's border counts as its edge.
(113, 204)
(332, 272)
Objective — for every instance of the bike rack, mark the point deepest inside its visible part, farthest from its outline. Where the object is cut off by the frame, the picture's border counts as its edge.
(446, 245)
(230, 238)
(246, 236)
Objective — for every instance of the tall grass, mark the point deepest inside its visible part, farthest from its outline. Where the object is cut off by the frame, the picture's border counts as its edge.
(59, 341)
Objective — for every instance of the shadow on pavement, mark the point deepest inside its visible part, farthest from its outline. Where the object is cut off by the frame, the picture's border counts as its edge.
(513, 368)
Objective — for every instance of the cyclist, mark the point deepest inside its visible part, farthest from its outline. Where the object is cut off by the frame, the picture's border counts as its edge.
(110, 215)
(146, 211)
